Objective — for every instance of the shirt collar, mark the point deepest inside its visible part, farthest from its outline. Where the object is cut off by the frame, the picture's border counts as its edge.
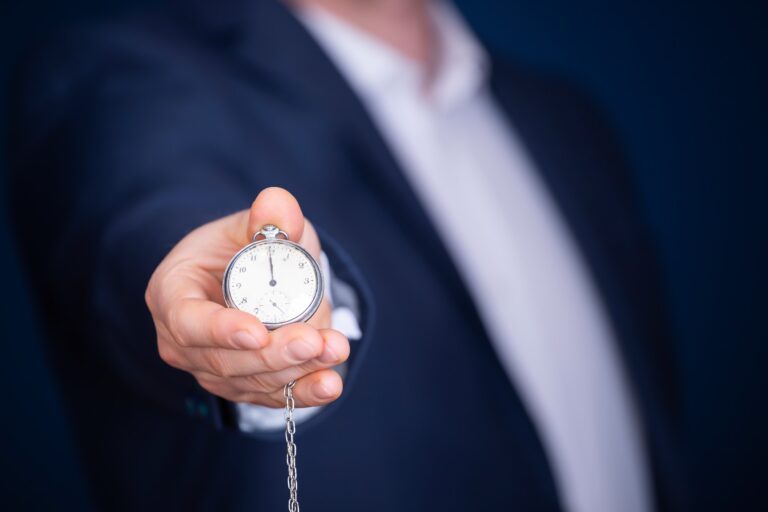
(373, 67)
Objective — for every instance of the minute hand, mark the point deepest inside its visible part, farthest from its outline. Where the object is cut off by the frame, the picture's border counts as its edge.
(272, 281)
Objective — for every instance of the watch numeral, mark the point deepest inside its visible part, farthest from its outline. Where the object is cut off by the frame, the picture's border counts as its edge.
(243, 300)
(301, 264)
(242, 269)
(306, 280)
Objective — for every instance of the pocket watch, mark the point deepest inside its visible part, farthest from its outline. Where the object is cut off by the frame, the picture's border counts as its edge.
(274, 279)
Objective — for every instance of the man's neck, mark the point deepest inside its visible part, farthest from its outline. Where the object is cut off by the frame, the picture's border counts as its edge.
(403, 24)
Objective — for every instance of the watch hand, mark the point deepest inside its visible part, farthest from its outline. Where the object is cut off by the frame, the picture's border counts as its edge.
(278, 308)
(272, 281)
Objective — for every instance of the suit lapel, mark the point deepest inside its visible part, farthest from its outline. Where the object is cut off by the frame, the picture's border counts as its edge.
(582, 168)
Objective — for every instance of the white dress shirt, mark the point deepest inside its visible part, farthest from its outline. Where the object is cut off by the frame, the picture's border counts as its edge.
(522, 268)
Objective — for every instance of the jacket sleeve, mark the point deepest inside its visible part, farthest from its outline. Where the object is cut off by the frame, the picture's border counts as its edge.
(115, 157)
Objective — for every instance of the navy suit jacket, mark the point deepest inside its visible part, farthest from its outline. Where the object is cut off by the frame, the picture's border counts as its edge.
(128, 135)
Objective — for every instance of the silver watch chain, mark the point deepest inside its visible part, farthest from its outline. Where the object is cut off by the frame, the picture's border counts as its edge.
(290, 456)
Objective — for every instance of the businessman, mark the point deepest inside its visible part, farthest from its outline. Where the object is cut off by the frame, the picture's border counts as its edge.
(493, 336)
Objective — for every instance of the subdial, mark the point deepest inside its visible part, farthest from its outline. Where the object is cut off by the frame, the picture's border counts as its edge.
(274, 306)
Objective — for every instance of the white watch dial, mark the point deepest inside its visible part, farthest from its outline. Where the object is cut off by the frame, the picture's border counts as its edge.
(276, 280)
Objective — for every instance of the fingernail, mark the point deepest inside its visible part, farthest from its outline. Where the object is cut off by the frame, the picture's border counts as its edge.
(321, 391)
(244, 339)
(328, 356)
(301, 350)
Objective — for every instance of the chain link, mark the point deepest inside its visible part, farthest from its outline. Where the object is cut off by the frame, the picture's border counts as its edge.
(290, 456)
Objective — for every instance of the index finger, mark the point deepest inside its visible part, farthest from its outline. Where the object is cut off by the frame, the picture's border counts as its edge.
(194, 322)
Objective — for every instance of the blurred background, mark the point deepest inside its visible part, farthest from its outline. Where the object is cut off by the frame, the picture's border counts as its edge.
(685, 86)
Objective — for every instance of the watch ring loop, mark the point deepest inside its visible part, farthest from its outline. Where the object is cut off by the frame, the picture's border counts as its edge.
(268, 232)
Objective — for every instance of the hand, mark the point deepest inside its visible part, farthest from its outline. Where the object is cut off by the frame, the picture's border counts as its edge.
(230, 352)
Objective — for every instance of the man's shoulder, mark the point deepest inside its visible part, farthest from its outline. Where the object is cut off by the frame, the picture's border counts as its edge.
(562, 123)
(552, 97)
(170, 31)
(136, 60)
(132, 42)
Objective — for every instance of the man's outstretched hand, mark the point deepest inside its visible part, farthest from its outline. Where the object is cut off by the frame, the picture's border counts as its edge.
(230, 352)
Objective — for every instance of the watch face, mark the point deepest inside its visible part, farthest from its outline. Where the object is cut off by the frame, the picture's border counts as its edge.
(276, 280)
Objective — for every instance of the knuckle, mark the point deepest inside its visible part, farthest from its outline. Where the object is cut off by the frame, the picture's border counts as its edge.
(206, 380)
(148, 297)
(270, 364)
(307, 368)
(316, 345)
(216, 322)
(339, 344)
(311, 336)
(216, 363)
(150, 292)
(259, 383)
(173, 321)
(215, 388)
(344, 351)
(208, 384)
(167, 354)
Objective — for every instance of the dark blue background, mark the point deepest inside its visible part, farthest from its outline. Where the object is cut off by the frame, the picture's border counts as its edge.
(685, 85)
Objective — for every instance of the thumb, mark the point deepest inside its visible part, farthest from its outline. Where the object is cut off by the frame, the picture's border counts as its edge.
(279, 207)
(276, 206)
